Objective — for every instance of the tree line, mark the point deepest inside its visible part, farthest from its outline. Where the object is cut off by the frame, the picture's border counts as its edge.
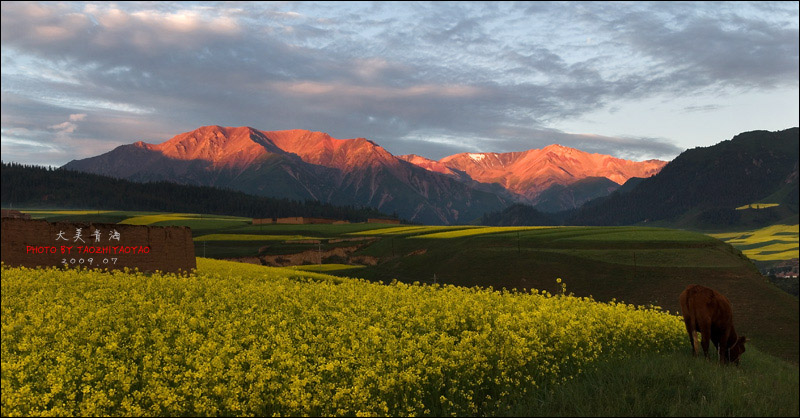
(32, 187)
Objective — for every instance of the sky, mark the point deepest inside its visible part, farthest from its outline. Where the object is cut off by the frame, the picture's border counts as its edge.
(633, 80)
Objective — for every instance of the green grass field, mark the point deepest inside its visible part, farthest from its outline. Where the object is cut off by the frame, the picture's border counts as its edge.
(39, 213)
(319, 230)
(168, 219)
(408, 230)
(327, 268)
(674, 385)
(251, 237)
(461, 233)
(100, 216)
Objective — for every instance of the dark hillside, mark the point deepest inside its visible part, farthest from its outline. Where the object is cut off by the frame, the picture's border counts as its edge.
(707, 184)
(518, 214)
(559, 197)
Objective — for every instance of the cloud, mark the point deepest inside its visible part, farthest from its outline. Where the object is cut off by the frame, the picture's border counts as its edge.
(337, 90)
(69, 126)
(282, 15)
(702, 50)
(700, 108)
(64, 127)
(430, 76)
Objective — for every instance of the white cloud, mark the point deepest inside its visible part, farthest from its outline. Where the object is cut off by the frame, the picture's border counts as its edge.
(64, 127)
(68, 127)
(290, 15)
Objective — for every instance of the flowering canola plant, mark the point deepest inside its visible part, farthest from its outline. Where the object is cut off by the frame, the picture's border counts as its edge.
(247, 340)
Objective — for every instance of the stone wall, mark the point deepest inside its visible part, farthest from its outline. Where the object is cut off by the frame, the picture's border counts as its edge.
(290, 220)
(304, 220)
(33, 243)
(297, 220)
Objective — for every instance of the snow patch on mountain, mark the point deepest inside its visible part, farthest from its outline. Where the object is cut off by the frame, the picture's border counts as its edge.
(476, 157)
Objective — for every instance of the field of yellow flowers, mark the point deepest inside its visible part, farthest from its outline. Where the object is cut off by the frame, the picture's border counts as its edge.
(236, 339)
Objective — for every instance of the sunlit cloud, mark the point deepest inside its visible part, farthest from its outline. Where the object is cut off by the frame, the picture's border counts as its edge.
(375, 92)
(64, 127)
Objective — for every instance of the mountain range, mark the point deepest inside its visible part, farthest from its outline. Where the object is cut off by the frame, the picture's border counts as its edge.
(301, 164)
(529, 173)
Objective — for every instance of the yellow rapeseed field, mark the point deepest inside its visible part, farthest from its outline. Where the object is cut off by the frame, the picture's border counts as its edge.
(410, 230)
(251, 237)
(771, 243)
(249, 340)
(479, 231)
(151, 219)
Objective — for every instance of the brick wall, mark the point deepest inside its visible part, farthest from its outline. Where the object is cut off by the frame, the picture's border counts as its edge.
(33, 243)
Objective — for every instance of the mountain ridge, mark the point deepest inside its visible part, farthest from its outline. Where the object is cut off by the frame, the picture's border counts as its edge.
(297, 164)
(303, 164)
(531, 172)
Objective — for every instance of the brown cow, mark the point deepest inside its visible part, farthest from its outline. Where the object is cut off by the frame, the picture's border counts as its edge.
(709, 312)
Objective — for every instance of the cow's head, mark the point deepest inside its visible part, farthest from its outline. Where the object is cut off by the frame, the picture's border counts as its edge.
(735, 351)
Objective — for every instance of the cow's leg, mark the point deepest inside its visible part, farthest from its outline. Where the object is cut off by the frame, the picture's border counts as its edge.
(705, 330)
(692, 334)
(722, 347)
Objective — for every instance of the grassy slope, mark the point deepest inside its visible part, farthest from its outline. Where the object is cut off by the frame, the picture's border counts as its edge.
(637, 265)
(674, 385)
(99, 216)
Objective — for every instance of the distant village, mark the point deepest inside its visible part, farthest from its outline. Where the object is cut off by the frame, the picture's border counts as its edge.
(785, 269)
